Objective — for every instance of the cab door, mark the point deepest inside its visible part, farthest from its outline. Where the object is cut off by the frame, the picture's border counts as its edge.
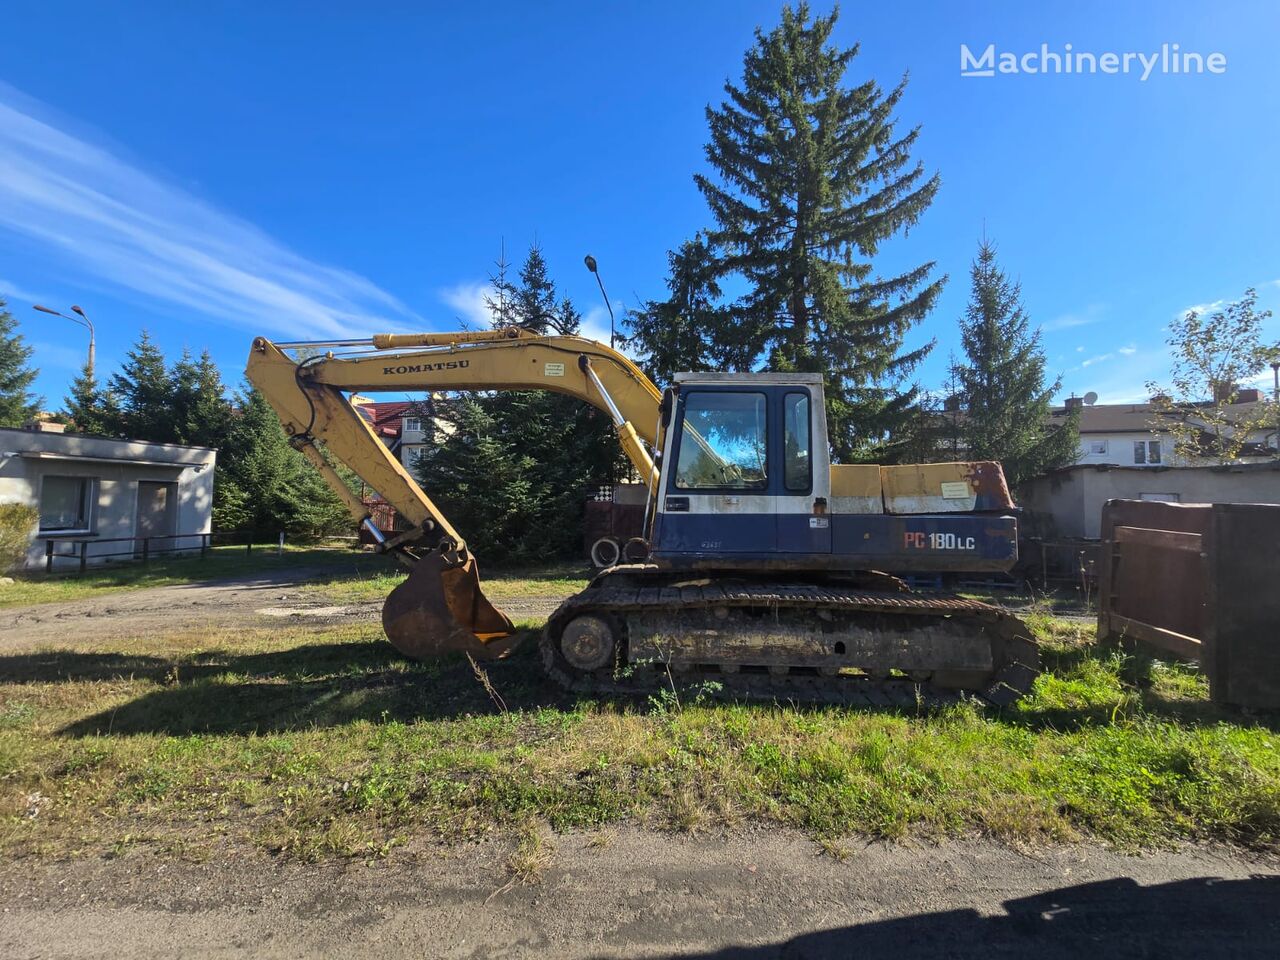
(803, 481)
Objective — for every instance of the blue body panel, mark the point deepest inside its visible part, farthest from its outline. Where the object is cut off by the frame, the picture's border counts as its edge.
(948, 542)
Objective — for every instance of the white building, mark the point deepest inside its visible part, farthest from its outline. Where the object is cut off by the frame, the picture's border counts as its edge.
(1137, 434)
(114, 496)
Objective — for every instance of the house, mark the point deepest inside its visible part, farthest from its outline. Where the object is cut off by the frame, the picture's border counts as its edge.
(114, 495)
(407, 427)
(1137, 434)
(1067, 503)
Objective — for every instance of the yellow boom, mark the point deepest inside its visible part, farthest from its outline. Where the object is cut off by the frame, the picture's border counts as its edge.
(441, 599)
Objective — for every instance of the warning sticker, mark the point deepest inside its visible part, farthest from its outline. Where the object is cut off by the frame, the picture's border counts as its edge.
(955, 490)
(553, 370)
(819, 523)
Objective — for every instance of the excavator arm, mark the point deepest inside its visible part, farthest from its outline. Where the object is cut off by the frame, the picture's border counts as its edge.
(440, 607)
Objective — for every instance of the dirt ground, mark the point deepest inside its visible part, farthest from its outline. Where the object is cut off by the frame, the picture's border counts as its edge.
(754, 893)
(256, 600)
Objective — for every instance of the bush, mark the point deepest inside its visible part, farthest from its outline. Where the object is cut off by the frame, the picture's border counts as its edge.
(17, 523)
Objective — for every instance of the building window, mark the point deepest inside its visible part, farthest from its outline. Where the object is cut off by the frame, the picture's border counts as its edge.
(412, 425)
(66, 504)
(1146, 451)
(1097, 448)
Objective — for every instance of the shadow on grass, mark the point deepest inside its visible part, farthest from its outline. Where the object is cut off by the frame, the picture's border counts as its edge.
(1203, 917)
(334, 684)
(309, 686)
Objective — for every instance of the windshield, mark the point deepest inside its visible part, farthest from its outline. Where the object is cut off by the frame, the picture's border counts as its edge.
(723, 442)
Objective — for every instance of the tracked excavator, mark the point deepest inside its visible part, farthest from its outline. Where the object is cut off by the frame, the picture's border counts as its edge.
(764, 566)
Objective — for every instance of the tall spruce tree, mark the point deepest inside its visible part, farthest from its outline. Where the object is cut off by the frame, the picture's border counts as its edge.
(810, 177)
(1001, 382)
(17, 403)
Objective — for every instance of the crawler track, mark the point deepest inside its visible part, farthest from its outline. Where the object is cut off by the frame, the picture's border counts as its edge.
(636, 597)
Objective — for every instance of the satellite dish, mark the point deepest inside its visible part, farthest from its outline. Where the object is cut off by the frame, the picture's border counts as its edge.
(1090, 399)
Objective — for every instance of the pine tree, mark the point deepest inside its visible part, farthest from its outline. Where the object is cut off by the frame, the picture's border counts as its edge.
(812, 177)
(264, 485)
(145, 394)
(200, 412)
(674, 335)
(535, 298)
(501, 300)
(513, 472)
(89, 407)
(1002, 381)
(17, 403)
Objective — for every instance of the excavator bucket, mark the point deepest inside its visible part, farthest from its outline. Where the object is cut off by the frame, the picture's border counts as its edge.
(440, 609)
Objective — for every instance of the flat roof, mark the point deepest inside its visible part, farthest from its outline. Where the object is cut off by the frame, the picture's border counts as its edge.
(99, 437)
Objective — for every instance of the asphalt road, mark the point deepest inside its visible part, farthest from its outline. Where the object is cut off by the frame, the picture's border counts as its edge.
(752, 893)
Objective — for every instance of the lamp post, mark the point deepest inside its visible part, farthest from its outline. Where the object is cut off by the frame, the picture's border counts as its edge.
(590, 261)
(84, 321)
(1275, 396)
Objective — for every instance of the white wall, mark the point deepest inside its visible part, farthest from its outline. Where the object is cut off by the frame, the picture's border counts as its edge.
(1068, 503)
(116, 466)
(1120, 448)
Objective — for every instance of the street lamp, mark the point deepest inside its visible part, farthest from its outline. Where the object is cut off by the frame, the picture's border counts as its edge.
(1275, 373)
(84, 321)
(590, 261)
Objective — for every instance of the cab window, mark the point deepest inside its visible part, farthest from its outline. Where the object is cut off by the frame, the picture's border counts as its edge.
(796, 442)
(723, 442)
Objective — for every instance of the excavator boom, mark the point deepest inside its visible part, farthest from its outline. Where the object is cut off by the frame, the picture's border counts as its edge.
(440, 607)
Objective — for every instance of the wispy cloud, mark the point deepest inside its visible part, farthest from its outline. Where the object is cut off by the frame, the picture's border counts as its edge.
(1078, 318)
(85, 207)
(12, 291)
(1128, 351)
(468, 303)
(1101, 358)
(1201, 308)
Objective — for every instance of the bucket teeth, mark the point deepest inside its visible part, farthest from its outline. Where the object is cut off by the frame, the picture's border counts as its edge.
(440, 609)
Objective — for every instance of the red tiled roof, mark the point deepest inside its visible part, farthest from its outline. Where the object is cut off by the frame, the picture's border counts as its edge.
(385, 416)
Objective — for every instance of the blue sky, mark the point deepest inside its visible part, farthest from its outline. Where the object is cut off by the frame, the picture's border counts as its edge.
(310, 170)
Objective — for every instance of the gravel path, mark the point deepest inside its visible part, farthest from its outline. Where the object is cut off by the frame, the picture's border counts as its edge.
(754, 893)
(254, 600)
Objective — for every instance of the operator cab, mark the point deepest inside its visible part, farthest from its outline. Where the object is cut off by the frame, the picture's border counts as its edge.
(746, 479)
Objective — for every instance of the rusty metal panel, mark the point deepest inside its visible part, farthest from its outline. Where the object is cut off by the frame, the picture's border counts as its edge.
(1153, 572)
(1242, 648)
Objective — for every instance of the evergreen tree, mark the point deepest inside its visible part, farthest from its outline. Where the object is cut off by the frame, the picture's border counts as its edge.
(513, 472)
(1002, 381)
(676, 335)
(501, 300)
(199, 411)
(144, 393)
(535, 299)
(264, 485)
(17, 403)
(90, 408)
(811, 177)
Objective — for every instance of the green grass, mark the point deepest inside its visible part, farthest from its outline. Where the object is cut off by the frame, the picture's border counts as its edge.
(328, 744)
(338, 563)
